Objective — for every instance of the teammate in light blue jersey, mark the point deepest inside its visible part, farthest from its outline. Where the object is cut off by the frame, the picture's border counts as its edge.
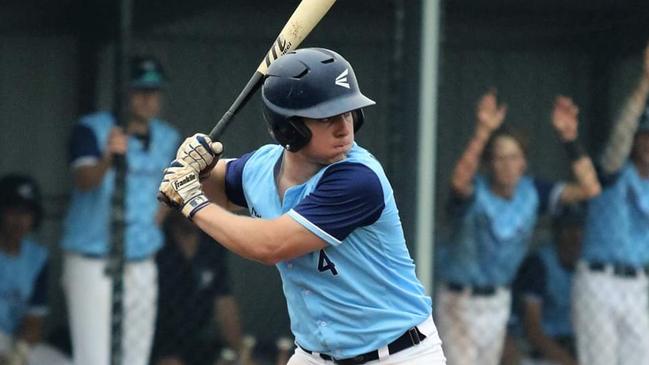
(147, 143)
(23, 276)
(323, 212)
(493, 216)
(611, 286)
(542, 292)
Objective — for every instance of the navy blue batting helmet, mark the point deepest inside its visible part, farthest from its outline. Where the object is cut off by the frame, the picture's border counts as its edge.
(314, 83)
(21, 191)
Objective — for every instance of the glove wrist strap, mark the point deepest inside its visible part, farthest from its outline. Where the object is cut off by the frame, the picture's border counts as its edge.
(195, 204)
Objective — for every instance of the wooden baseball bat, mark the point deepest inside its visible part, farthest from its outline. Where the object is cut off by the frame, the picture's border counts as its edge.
(299, 25)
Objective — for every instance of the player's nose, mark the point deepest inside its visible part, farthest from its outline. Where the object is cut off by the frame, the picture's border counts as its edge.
(344, 124)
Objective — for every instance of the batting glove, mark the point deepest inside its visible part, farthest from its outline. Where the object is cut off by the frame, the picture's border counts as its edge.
(181, 189)
(199, 152)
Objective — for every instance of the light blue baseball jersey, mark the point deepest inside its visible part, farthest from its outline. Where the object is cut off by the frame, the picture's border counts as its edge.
(87, 224)
(543, 278)
(617, 224)
(490, 234)
(23, 285)
(360, 292)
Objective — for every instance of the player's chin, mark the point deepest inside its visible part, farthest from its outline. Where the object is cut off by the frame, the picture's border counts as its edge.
(332, 159)
(335, 157)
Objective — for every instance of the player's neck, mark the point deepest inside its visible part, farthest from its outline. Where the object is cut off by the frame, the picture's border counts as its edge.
(137, 126)
(293, 169)
(296, 169)
(503, 191)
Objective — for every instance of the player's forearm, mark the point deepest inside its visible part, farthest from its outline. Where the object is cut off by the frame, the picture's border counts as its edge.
(227, 316)
(586, 177)
(245, 236)
(540, 341)
(89, 177)
(466, 167)
(619, 146)
(214, 185)
(552, 350)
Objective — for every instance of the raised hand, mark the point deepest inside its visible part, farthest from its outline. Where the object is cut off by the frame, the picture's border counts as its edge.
(489, 114)
(200, 153)
(564, 118)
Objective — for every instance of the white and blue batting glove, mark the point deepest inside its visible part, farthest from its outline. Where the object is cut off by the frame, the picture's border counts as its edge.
(199, 152)
(181, 189)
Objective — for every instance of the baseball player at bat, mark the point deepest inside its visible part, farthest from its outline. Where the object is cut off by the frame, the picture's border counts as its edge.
(147, 143)
(322, 211)
(610, 291)
(492, 217)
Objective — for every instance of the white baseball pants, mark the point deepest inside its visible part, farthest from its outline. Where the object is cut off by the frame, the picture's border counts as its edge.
(472, 327)
(611, 317)
(88, 294)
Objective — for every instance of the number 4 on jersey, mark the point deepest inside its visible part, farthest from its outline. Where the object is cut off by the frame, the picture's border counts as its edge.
(325, 264)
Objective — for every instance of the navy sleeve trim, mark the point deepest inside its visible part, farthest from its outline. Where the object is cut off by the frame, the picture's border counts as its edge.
(606, 179)
(348, 196)
(457, 205)
(234, 180)
(548, 193)
(83, 144)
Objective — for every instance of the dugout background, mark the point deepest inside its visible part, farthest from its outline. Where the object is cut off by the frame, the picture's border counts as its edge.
(55, 63)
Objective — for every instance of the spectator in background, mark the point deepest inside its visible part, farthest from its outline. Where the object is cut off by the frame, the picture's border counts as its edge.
(610, 292)
(542, 290)
(23, 276)
(493, 217)
(194, 295)
(147, 144)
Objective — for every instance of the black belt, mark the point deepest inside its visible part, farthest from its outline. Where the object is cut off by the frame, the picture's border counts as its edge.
(410, 338)
(484, 291)
(625, 271)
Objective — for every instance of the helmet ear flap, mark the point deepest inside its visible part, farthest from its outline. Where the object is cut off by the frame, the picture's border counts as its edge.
(359, 118)
(292, 135)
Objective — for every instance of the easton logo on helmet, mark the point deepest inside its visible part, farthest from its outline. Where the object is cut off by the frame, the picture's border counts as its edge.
(341, 80)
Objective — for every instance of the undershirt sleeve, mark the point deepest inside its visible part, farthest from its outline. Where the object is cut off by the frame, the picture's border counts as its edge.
(84, 148)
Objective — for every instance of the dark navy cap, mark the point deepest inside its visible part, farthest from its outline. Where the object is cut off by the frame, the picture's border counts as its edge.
(18, 190)
(146, 73)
